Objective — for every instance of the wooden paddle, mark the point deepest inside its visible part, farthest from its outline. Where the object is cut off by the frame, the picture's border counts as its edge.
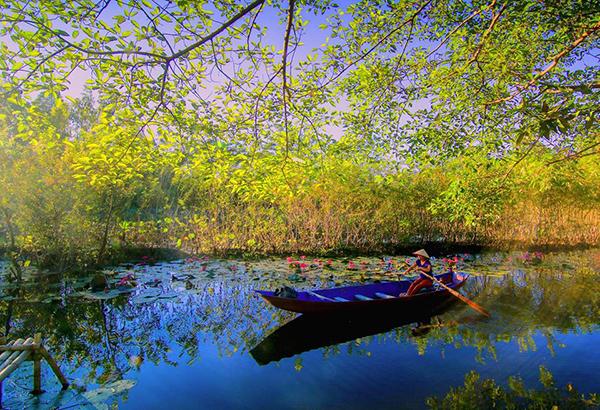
(458, 295)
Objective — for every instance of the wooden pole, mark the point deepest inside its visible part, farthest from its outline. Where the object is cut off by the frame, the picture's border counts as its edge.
(8, 348)
(37, 365)
(14, 364)
(458, 295)
(37, 375)
(3, 341)
(8, 361)
(54, 367)
(18, 348)
(14, 353)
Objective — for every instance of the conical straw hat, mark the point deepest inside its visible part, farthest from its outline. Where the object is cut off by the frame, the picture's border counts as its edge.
(422, 253)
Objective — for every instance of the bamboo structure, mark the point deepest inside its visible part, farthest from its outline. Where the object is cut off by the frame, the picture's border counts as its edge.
(14, 353)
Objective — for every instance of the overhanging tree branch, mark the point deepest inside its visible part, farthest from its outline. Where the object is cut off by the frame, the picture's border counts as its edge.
(215, 33)
(284, 87)
(35, 69)
(579, 154)
(462, 23)
(155, 56)
(550, 67)
(485, 35)
(378, 43)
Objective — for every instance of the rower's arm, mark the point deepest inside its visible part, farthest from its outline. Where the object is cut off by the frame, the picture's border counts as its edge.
(412, 267)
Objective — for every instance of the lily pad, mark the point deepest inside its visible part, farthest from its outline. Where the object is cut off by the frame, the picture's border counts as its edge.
(113, 293)
(99, 396)
(168, 295)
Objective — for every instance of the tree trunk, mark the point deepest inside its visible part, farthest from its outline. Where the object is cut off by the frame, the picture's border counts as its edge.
(11, 232)
(107, 223)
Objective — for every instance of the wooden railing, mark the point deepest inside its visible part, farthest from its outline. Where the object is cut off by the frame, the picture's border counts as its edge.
(14, 353)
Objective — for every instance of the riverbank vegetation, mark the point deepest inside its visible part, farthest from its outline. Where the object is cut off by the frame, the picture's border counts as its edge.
(84, 198)
(412, 123)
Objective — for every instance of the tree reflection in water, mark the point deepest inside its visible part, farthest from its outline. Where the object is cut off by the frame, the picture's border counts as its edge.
(101, 339)
(477, 393)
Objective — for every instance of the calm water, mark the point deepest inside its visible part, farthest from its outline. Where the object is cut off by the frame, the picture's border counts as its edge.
(192, 334)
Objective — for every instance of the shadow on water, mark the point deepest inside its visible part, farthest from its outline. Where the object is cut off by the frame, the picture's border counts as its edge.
(309, 332)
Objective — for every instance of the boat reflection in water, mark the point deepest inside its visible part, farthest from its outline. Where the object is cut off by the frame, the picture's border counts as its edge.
(308, 332)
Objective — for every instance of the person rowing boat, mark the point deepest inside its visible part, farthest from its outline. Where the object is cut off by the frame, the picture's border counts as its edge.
(426, 279)
(423, 266)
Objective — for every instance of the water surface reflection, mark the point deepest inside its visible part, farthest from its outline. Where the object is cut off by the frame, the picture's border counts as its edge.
(193, 334)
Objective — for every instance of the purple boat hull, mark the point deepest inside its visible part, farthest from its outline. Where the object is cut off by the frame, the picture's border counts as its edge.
(375, 296)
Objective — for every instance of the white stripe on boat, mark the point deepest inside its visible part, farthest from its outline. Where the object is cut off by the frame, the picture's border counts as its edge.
(383, 295)
(362, 297)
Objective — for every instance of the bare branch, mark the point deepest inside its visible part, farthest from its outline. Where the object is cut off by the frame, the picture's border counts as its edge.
(521, 158)
(387, 87)
(579, 154)
(565, 88)
(218, 31)
(160, 103)
(85, 50)
(258, 98)
(284, 89)
(552, 65)
(486, 34)
(155, 27)
(380, 42)
(34, 70)
(250, 28)
(462, 23)
(104, 6)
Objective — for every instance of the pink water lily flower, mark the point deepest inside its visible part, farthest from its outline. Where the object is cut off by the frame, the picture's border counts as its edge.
(125, 280)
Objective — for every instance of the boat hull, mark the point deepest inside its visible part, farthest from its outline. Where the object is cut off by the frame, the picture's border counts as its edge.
(317, 302)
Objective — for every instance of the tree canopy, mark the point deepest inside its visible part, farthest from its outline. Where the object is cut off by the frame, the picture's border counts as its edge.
(298, 125)
(414, 81)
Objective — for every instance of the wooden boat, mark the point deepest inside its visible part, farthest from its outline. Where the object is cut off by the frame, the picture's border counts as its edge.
(375, 296)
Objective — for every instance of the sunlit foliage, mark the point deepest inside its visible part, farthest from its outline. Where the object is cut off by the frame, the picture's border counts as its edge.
(354, 126)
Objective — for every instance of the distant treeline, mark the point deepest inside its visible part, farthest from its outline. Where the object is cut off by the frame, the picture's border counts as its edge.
(75, 192)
